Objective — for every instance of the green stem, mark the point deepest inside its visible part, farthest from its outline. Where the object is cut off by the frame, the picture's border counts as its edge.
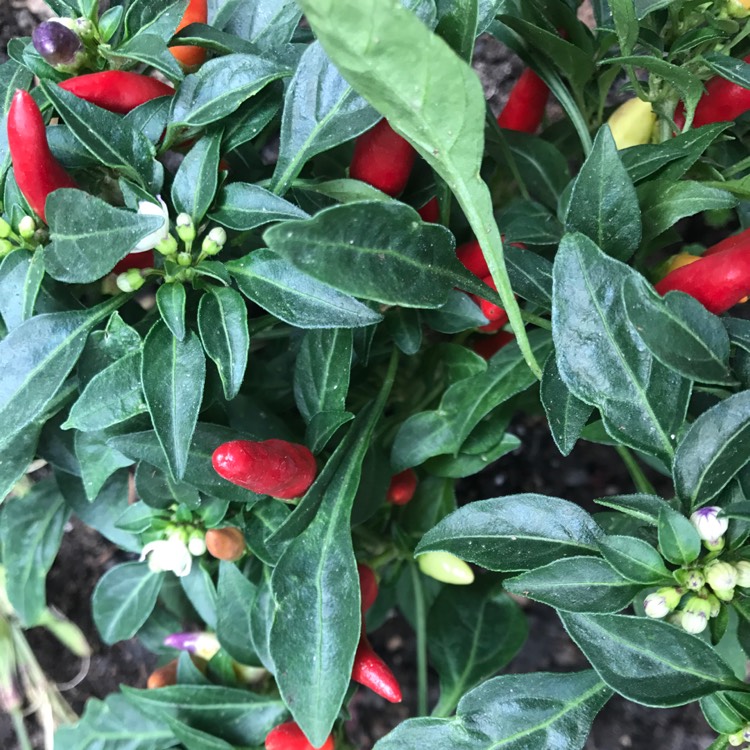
(636, 473)
(536, 320)
(19, 727)
(421, 632)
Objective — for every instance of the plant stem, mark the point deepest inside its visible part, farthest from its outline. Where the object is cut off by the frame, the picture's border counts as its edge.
(636, 473)
(536, 320)
(421, 632)
(19, 727)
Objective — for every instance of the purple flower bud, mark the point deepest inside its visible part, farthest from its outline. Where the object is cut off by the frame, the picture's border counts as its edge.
(56, 43)
(205, 645)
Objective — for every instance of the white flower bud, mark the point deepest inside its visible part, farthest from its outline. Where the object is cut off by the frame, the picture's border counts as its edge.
(218, 235)
(743, 573)
(709, 525)
(661, 602)
(695, 615)
(197, 546)
(147, 208)
(720, 575)
(185, 227)
(27, 227)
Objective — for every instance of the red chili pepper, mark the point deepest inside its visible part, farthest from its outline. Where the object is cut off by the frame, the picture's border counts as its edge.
(270, 467)
(135, 260)
(487, 346)
(494, 313)
(718, 280)
(372, 672)
(430, 211)
(117, 90)
(723, 101)
(471, 256)
(368, 586)
(290, 737)
(163, 676)
(226, 544)
(524, 110)
(196, 12)
(37, 171)
(383, 159)
(734, 240)
(402, 487)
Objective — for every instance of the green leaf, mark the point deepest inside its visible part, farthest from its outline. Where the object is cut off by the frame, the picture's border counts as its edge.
(459, 313)
(173, 374)
(171, 300)
(472, 632)
(321, 110)
(513, 712)
(235, 604)
(566, 414)
(31, 529)
(150, 49)
(732, 69)
(713, 450)
(679, 332)
(375, 250)
(576, 584)
(17, 454)
(531, 275)
(123, 600)
(36, 358)
(433, 99)
(201, 592)
(600, 357)
(197, 179)
(603, 203)
(626, 24)
(635, 559)
(649, 661)
(721, 715)
(458, 24)
(645, 508)
(108, 137)
(244, 206)
(514, 533)
(89, 236)
(295, 297)
(222, 322)
(678, 540)
(114, 724)
(464, 405)
(21, 275)
(98, 461)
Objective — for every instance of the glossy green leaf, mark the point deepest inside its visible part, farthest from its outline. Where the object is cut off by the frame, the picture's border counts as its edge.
(31, 529)
(472, 633)
(173, 374)
(645, 508)
(649, 661)
(98, 461)
(679, 332)
(236, 595)
(712, 451)
(245, 206)
(21, 275)
(603, 203)
(222, 322)
(171, 300)
(197, 179)
(678, 540)
(17, 454)
(515, 712)
(600, 357)
(721, 715)
(515, 533)
(321, 110)
(295, 297)
(531, 275)
(123, 600)
(635, 559)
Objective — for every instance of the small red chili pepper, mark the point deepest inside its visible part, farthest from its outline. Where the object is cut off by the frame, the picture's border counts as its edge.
(471, 256)
(270, 467)
(494, 313)
(723, 101)
(383, 159)
(718, 280)
(116, 90)
(135, 260)
(524, 110)
(191, 56)
(430, 211)
(487, 346)
(402, 487)
(368, 586)
(290, 737)
(372, 672)
(163, 676)
(37, 171)
(226, 544)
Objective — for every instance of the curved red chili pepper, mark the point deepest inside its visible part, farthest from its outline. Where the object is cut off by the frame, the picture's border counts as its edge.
(191, 56)
(118, 91)
(383, 159)
(372, 672)
(290, 737)
(524, 110)
(270, 467)
(37, 171)
(402, 487)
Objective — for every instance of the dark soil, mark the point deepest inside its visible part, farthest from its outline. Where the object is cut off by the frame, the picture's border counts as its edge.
(591, 471)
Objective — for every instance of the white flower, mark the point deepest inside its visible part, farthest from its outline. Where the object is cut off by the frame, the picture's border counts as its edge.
(147, 208)
(167, 555)
(709, 525)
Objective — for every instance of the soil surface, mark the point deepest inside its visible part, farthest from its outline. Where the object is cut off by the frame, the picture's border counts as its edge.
(591, 471)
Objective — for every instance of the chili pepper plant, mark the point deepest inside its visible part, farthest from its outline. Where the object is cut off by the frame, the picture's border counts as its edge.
(274, 278)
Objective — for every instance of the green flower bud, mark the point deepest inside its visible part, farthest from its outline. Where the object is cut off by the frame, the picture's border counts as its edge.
(27, 227)
(726, 595)
(695, 615)
(5, 248)
(5, 229)
(738, 8)
(720, 575)
(662, 602)
(715, 605)
(445, 567)
(185, 227)
(736, 739)
(714, 546)
(690, 579)
(167, 246)
(130, 281)
(184, 259)
(84, 28)
(743, 573)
